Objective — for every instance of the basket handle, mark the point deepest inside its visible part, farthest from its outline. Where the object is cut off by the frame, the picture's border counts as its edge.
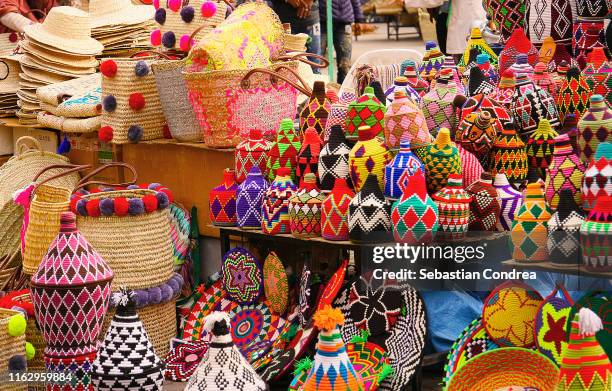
(244, 83)
(27, 142)
(296, 74)
(70, 168)
(85, 180)
(303, 57)
(152, 53)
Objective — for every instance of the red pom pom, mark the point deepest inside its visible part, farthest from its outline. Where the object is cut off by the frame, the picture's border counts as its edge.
(13, 37)
(209, 9)
(121, 206)
(156, 4)
(73, 203)
(93, 208)
(105, 134)
(174, 5)
(108, 68)
(156, 37)
(150, 203)
(137, 101)
(168, 193)
(166, 131)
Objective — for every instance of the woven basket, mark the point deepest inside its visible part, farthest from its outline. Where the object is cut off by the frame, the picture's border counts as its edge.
(213, 94)
(9, 269)
(18, 172)
(11, 346)
(182, 123)
(35, 337)
(136, 247)
(123, 84)
(159, 321)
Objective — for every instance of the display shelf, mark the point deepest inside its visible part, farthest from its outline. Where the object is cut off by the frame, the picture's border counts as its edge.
(578, 270)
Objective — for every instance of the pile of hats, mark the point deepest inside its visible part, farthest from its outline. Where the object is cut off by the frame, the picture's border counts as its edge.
(59, 49)
(122, 27)
(9, 84)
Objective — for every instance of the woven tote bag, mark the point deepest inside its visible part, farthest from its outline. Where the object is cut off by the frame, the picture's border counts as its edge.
(228, 104)
(11, 347)
(17, 173)
(181, 119)
(132, 110)
(44, 212)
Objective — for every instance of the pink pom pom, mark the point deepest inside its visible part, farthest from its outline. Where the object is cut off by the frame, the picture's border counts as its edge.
(185, 43)
(209, 9)
(156, 37)
(174, 5)
(156, 4)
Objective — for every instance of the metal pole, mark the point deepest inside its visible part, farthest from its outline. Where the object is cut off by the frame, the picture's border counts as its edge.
(330, 40)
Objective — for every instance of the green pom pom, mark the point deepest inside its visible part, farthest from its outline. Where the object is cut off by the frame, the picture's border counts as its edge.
(30, 351)
(385, 372)
(302, 365)
(17, 325)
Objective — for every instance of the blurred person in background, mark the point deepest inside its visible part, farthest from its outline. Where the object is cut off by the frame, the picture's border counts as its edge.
(344, 14)
(16, 14)
(303, 15)
(464, 14)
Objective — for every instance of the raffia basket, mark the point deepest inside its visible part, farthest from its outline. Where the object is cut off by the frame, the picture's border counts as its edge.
(137, 248)
(35, 337)
(159, 321)
(182, 122)
(124, 83)
(10, 265)
(10, 346)
(18, 172)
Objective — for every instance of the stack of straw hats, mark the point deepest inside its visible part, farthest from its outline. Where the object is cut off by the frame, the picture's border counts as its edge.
(9, 84)
(59, 49)
(122, 27)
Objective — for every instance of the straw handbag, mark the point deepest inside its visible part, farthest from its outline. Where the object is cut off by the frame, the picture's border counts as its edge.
(43, 222)
(228, 104)
(182, 121)
(16, 174)
(11, 346)
(130, 228)
(132, 111)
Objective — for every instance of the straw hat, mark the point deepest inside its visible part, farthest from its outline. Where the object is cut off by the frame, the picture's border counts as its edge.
(8, 43)
(9, 74)
(67, 28)
(113, 12)
(57, 57)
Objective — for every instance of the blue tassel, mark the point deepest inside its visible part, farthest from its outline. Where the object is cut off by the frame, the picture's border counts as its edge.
(64, 146)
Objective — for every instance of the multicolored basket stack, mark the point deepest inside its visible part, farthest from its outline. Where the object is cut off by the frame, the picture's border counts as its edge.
(222, 200)
(335, 210)
(505, 89)
(540, 146)
(517, 44)
(552, 19)
(587, 35)
(598, 176)
(368, 156)
(531, 104)
(476, 41)
(484, 207)
(275, 207)
(488, 70)
(414, 79)
(598, 73)
(441, 158)
(453, 208)
(509, 155)
(476, 135)
(369, 219)
(529, 229)
(308, 157)
(471, 169)
(573, 95)
(510, 201)
(249, 200)
(404, 120)
(401, 84)
(521, 67)
(564, 231)
(305, 209)
(437, 105)
(284, 150)
(367, 110)
(544, 79)
(478, 83)
(338, 113)
(564, 172)
(251, 152)
(415, 215)
(596, 236)
(403, 165)
(334, 159)
(594, 127)
(507, 15)
(499, 113)
(315, 113)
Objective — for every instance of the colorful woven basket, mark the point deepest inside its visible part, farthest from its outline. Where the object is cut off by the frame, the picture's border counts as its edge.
(183, 358)
(338, 113)
(249, 199)
(222, 200)
(529, 232)
(414, 216)
(509, 156)
(521, 67)
(453, 208)
(477, 41)
(276, 285)
(592, 8)
(334, 159)
(552, 19)
(284, 150)
(397, 172)
(545, 80)
(441, 159)
(471, 169)
(564, 231)
(598, 73)
(241, 274)
(414, 79)
(369, 217)
(401, 84)
(308, 157)
(305, 209)
(551, 320)
(478, 83)
(74, 283)
(598, 176)
(510, 201)
(76, 368)
(531, 104)
(484, 206)
(315, 113)
(404, 120)
(598, 302)
(517, 44)
(334, 212)
(500, 115)
(476, 134)
(275, 207)
(594, 127)
(540, 146)
(250, 153)
(573, 95)
(506, 15)
(369, 156)
(13, 357)
(367, 110)
(564, 172)
(437, 106)
(587, 36)
(596, 236)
